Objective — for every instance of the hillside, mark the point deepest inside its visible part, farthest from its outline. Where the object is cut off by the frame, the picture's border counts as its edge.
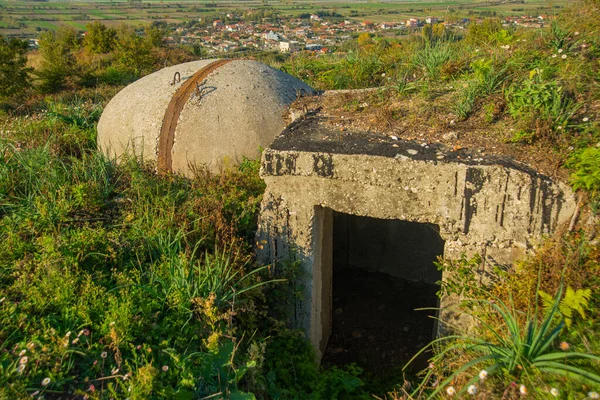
(116, 282)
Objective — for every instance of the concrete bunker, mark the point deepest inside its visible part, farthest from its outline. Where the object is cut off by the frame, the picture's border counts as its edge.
(382, 271)
(317, 175)
(206, 113)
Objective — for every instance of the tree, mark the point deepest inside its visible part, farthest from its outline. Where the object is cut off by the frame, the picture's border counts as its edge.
(133, 52)
(14, 73)
(58, 60)
(365, 39)
(99, 38)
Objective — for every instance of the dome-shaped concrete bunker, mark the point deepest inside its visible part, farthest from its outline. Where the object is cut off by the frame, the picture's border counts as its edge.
(375, 203)
(201, 113)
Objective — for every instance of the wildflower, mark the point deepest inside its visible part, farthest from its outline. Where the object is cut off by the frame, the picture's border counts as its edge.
(2, 300)
(21, 368)
(451, 391)
(559, 128)
(103, 354)
(564, 56)
(165, 368)
(30, 345)
(564, 346)
(472, 390)
(431, 366)
(75, 341)
(45, 381)
(593, 395)
(139, 346)
(523, 390)
(68, 334)
(483, 374)
(114, 371)
(22, 353)
(112, 323)
(560, 51)
(383, 75)
(23, 360)
(92, 388)
(554, 55)
(554, 392)
(35, 393)
(576, 33)
(586, 119)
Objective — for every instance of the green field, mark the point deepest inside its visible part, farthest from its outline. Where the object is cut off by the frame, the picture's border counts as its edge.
(26, 18)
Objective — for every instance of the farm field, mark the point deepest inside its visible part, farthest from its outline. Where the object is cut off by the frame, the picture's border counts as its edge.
(27, 18)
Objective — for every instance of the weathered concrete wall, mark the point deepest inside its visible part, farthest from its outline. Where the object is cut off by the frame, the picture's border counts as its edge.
(493, 208)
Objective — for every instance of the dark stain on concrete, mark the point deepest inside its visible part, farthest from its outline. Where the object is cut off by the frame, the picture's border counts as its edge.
(323, 165)
(474, 181)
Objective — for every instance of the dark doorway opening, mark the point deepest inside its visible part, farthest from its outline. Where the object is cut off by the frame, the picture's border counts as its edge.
(382, 271)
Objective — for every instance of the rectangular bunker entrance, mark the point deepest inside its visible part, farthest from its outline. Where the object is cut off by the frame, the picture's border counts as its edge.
(382, 271)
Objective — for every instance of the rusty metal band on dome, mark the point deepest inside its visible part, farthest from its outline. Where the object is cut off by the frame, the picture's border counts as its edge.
(169, 124)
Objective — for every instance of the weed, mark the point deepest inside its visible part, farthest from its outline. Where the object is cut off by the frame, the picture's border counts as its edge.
(521, 353)
(431, 58)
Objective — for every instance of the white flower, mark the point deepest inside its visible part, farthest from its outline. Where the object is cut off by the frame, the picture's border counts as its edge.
(560, 51)
(593, 395)
(472, 390)
(554, 392)
(564, 56)
(112, 323)
(30, 345)
(554, 55)
(523, 389)
(586, 119)
(483, 374)
(114, 371)
(559, 128)
(68, 334)
(22, 353)
(23, 360)
(165, 368)
(103, 354)
(45, 381)
(451, 391)
(21, 368)
(2, 299)
(576, 33)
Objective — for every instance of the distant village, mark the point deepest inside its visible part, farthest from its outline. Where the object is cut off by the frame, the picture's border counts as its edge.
(312, 33)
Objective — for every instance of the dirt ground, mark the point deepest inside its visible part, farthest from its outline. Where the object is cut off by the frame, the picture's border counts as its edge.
(375, 324)
(430, 120)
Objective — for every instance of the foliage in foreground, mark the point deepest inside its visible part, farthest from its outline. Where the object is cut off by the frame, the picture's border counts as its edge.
(118, 283)
(518, 346)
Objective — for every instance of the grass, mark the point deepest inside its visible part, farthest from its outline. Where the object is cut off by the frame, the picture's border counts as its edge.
(116, 282)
